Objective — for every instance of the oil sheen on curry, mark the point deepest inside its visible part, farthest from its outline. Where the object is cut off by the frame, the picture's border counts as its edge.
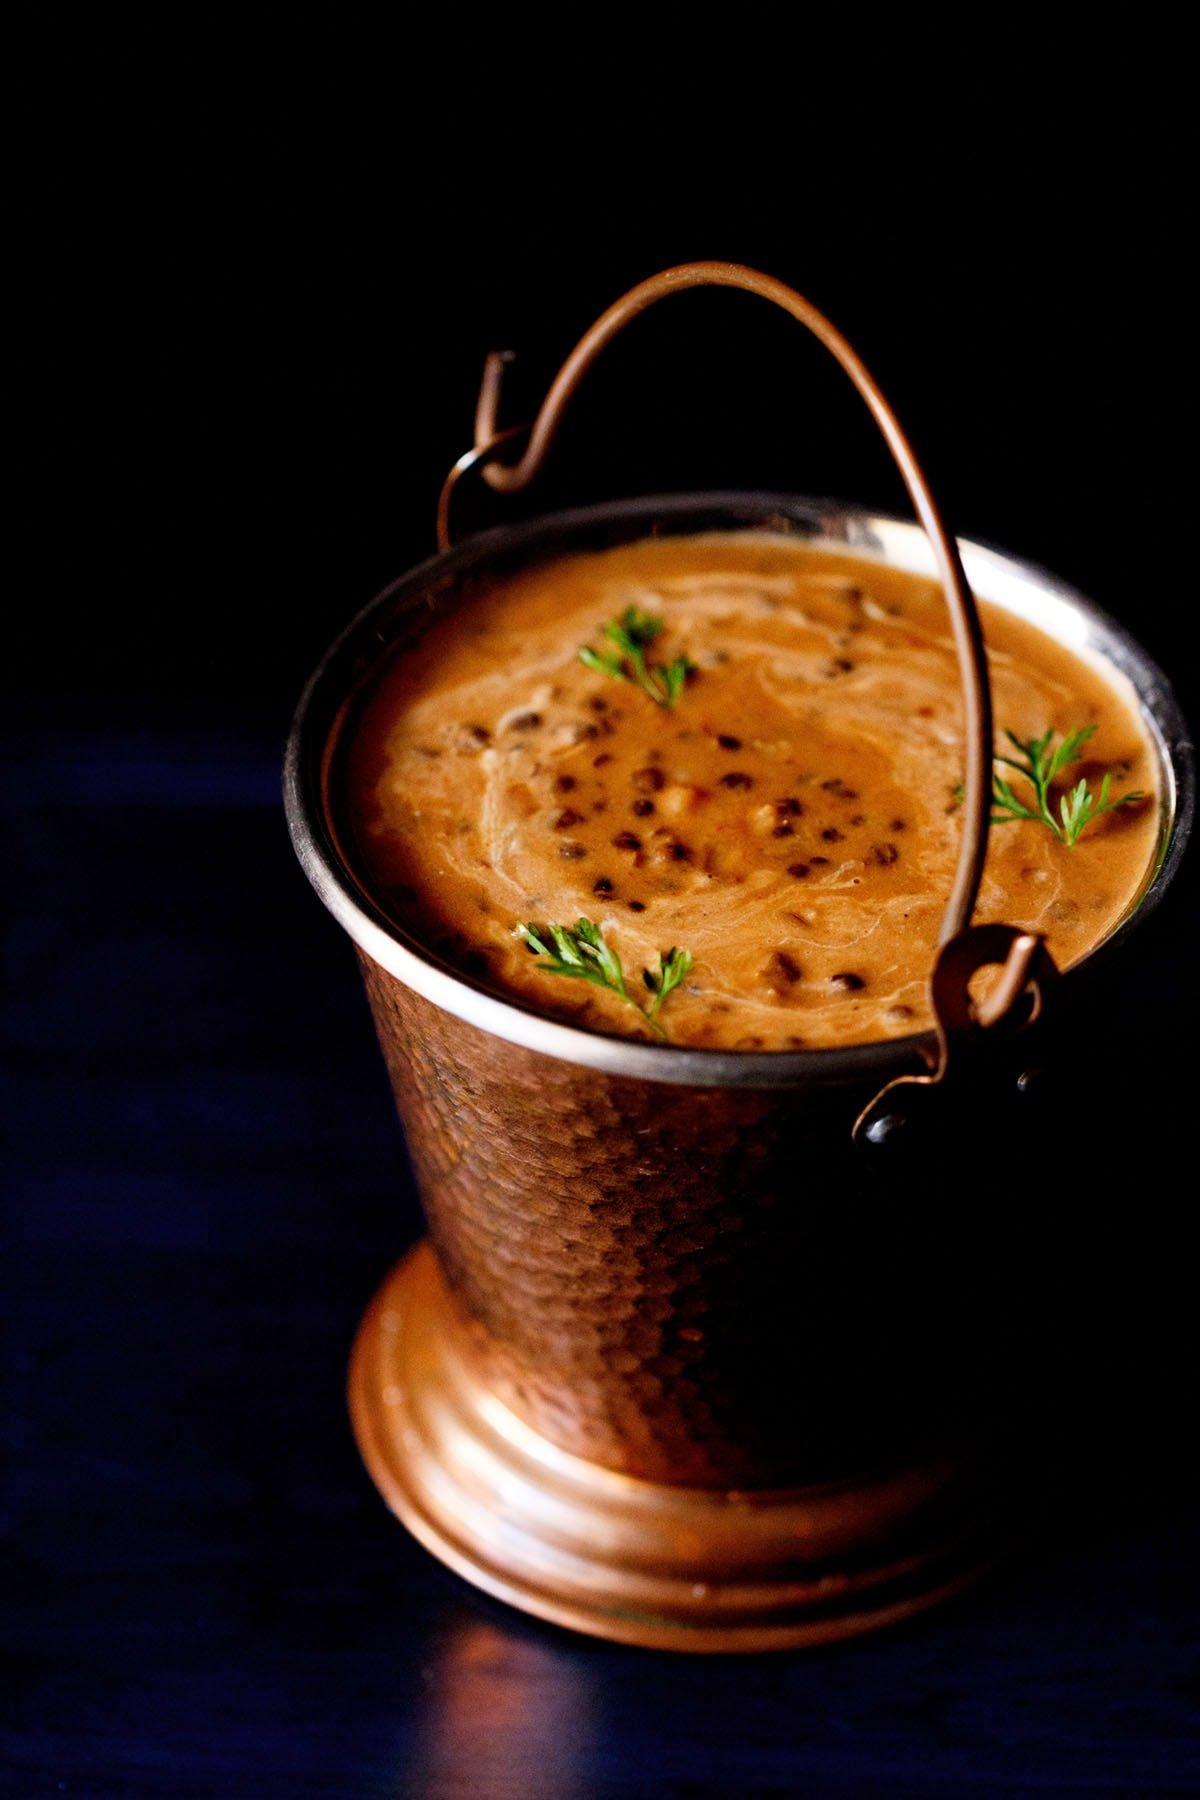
(791, 820)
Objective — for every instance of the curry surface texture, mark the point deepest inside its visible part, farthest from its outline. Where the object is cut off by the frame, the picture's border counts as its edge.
(793, 820)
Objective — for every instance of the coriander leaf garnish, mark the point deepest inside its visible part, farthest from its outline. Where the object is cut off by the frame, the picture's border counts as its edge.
(633, 633)
(673, 967)
(583, 955)
(1041, 764)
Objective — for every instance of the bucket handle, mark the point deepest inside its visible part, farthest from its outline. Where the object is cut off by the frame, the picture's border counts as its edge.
(510, 478)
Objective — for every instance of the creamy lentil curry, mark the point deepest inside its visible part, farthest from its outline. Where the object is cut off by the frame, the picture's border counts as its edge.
(793, 820)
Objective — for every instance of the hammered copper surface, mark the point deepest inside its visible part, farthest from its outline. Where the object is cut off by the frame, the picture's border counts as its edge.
(709, 1286)
(661, 1565)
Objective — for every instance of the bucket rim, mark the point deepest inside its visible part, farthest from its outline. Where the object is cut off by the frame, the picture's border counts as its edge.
(1015, 583)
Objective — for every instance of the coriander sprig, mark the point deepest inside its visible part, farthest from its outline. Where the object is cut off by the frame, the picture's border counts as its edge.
(1040, 766)
(633, 633)
(583, 955)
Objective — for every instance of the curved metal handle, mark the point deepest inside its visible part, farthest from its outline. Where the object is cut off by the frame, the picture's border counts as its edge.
(968, 636)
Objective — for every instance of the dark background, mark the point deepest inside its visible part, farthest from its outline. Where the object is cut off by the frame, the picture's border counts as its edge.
(255, 283)
(253, 278)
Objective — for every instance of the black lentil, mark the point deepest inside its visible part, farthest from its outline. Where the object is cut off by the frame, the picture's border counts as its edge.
(649, 781)
(783, 968)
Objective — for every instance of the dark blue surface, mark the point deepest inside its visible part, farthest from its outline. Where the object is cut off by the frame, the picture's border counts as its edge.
(204, 1594)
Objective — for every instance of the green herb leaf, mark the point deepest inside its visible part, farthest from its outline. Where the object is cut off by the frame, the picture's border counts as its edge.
(1040, 763)
(633, 633)
(673, 967)
(582, 954)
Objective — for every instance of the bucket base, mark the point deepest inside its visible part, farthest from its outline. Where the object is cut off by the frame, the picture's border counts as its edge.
(641, 1562)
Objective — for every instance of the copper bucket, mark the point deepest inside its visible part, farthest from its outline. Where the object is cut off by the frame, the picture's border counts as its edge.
(703, 1349)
